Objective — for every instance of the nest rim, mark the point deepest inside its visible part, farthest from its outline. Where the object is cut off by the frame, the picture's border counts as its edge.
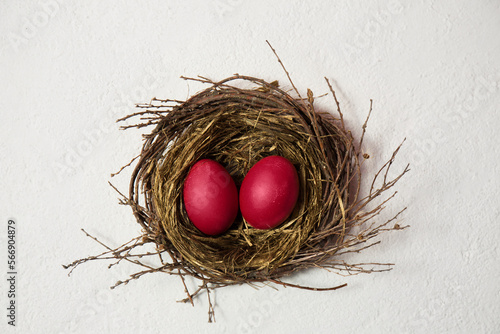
(321, 133)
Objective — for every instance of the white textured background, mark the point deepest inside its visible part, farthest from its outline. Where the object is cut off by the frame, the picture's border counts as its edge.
(68, 69)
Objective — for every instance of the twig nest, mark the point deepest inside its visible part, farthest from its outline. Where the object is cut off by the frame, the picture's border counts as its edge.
(238, 127)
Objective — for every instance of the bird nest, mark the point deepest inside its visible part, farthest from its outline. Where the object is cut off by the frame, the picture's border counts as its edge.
(237, 127)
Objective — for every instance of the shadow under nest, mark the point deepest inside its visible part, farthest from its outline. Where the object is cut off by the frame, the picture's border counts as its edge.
(237, 127)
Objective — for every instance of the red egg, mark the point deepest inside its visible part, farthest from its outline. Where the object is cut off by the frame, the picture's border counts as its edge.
(210, 197)
(269, 192)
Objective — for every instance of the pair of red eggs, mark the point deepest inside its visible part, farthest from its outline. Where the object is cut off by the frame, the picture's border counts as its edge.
(267, 195)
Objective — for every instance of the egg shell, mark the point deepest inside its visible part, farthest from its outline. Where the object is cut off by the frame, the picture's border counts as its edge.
(269, 192)
(210, 197)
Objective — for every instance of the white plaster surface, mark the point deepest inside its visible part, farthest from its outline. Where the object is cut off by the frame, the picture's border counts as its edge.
(68, 69)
